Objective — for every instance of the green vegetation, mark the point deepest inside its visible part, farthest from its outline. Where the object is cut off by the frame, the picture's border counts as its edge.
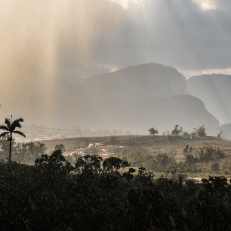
(199, 131)
(152, 162)
(22, 152)
(200, 159)
(85, 191)
(114, 140)
(153, 131)
(60, 147)
(177, 130)
(9, 130)
(205, 153)
(98, 194)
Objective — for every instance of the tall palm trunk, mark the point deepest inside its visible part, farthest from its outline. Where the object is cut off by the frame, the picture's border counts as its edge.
(10, 139)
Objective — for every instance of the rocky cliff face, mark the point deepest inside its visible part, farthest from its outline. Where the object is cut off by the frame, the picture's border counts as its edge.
(142, 81)
(134, 98)
(141, 96)
(214, 91)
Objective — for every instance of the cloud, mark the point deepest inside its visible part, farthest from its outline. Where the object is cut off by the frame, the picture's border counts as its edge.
(74, 39)
(206, 4)
(46, 39)
(56, 36)
(177, 33)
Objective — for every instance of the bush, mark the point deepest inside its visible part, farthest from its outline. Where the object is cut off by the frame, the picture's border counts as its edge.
(215, 167)
(152, 162)
(205, 153)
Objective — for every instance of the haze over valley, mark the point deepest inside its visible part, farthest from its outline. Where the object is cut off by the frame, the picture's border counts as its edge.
(124, 65)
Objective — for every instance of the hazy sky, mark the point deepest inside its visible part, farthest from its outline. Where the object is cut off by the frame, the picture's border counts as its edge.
(81, 38)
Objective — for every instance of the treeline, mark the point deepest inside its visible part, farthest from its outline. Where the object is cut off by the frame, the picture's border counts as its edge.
(97, 194)
(195, 159)
(199, 132)
(22, 152)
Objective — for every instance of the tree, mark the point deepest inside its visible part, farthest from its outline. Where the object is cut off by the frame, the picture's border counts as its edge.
(114, 164)
(152, 131)
(89, 164)
(10, 129)
(200, 131)
(177, 130)
(56, 162)
(215, 167)
(60, 147)
(220, 134)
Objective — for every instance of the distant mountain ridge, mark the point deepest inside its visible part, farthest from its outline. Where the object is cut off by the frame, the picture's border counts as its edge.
(151, 80)
(134, 98)
(141, 96)
(215, 91)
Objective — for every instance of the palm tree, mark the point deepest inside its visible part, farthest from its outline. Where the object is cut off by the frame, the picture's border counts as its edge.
(10, 129)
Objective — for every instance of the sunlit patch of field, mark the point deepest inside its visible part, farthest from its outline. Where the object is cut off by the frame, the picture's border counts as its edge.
(112, 145)
(150, 144)
(170, 145)
(179, 158)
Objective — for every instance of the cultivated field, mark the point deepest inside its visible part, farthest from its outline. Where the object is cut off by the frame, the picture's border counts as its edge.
(147, 144)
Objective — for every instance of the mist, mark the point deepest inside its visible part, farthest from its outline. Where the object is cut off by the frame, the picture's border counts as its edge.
(49, 49)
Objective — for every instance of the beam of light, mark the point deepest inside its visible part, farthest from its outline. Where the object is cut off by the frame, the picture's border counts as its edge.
(206, 4)
(127, 3)
(43, 40)
(123, 3)
(188, 74)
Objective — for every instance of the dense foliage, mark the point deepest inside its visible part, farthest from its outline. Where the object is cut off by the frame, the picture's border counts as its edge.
(203, 154)
(153, 131)
(177, 130)
(22, 152)
(160, 162)
(98, 194)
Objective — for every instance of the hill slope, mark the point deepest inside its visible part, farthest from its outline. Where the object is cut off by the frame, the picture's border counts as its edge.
(141, 96)
(134, 98)
(146, 81)
(214, 91)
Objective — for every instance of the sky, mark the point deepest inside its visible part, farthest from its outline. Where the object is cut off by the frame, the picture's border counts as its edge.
(75, 39)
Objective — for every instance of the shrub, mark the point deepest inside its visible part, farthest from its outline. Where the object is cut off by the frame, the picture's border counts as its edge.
(203, 154)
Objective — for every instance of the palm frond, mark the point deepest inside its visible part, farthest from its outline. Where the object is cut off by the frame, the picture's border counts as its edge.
(19, 120)
(7, 122)
(4, 133)
(4, 127)
(20, 133)
(16, 124)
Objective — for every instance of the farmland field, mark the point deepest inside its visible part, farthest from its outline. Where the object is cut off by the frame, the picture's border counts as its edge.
(117, 145)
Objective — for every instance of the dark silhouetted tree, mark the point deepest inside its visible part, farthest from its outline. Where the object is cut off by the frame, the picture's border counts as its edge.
(153, 131)
(200, 131)
(177, 130)
(60, 147)
(56, 162)
(114, 164)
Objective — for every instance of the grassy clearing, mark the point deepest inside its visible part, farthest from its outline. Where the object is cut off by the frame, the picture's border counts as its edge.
(173, 146)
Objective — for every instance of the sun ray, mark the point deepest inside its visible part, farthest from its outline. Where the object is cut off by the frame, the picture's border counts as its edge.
(206, 4)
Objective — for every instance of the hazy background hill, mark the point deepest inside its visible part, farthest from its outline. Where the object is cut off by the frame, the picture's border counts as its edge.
(146, 81)
(134, 98)
(215, 91)
(141, 96)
